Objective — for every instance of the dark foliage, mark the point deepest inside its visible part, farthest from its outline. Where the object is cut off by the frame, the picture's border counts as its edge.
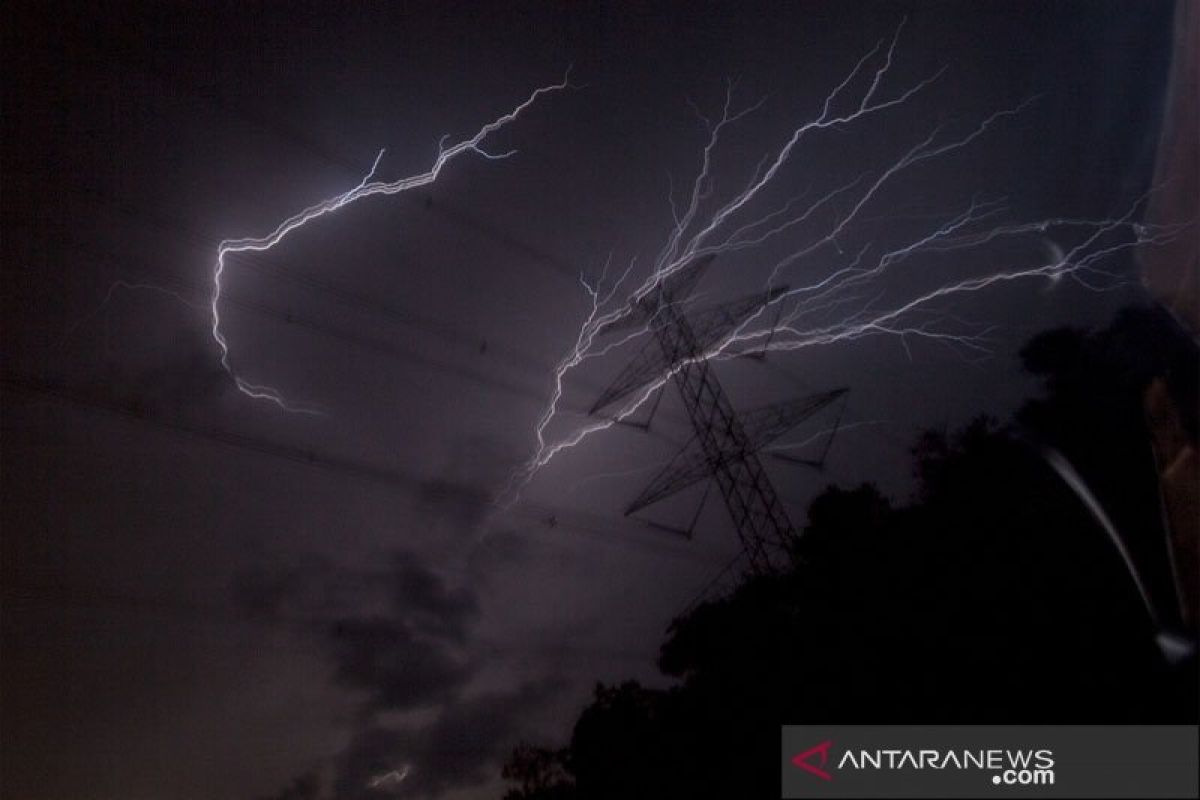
(992, 597)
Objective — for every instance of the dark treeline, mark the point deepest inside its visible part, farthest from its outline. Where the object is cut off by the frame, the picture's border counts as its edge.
(992, 596)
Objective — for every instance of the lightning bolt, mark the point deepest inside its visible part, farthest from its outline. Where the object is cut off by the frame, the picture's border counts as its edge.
(849, 426)
(850, 299)
(369, 186)
(388, 781)
(129, 286)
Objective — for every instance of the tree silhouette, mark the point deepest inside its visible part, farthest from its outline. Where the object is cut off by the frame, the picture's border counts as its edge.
(991, 597)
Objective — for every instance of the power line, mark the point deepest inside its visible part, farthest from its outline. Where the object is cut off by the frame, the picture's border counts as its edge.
(125, 53)
(369, 344)
(725, 444)
(175, 228)
(443, 331)
(546, 516)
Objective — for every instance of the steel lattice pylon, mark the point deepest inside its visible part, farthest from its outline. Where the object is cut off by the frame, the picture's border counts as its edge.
(725, 446)
(759, 516)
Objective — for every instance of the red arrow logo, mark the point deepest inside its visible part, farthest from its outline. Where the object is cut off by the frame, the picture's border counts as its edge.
(821, 750)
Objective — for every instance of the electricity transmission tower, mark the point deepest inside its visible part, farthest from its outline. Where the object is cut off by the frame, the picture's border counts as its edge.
(725, 445)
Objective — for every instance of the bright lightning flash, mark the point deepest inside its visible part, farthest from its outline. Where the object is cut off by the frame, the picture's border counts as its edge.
(367, 187)
(845, 302)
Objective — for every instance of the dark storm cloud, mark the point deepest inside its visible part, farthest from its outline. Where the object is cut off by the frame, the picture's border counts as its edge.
(498, 548)
(398, 633)
(408, 650)
(410, 655)
(312, 589)
(305, 787)
(459, 748)
(462, 505)
(432, 607)
(398, 667)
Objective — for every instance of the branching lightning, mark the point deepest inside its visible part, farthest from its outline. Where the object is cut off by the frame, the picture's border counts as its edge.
(821, 434)
(130, 286)
(848, 300)
(369, 186)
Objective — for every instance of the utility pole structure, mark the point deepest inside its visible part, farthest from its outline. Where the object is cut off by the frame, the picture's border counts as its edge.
(725, 445)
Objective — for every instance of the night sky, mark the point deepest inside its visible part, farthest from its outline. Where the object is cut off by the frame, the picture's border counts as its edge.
(207, 597)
